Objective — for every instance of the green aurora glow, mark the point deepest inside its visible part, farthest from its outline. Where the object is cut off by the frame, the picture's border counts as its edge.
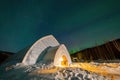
(76, 23)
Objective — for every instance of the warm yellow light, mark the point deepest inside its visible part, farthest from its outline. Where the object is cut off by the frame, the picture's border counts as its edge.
(63, 62)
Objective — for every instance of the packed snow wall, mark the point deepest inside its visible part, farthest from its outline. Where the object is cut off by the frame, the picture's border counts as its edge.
(38, 47)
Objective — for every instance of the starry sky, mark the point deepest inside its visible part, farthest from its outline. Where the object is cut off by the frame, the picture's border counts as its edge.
(78, 24)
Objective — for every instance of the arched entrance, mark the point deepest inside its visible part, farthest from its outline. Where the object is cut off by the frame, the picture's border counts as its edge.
(64, 61)
(62, 57)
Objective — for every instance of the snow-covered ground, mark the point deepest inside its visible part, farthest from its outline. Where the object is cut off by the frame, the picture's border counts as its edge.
(41, 71)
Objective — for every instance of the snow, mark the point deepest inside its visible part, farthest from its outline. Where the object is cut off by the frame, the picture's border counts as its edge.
(34, 72)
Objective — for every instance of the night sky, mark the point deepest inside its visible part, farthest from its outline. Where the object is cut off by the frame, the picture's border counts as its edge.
(78, 24)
